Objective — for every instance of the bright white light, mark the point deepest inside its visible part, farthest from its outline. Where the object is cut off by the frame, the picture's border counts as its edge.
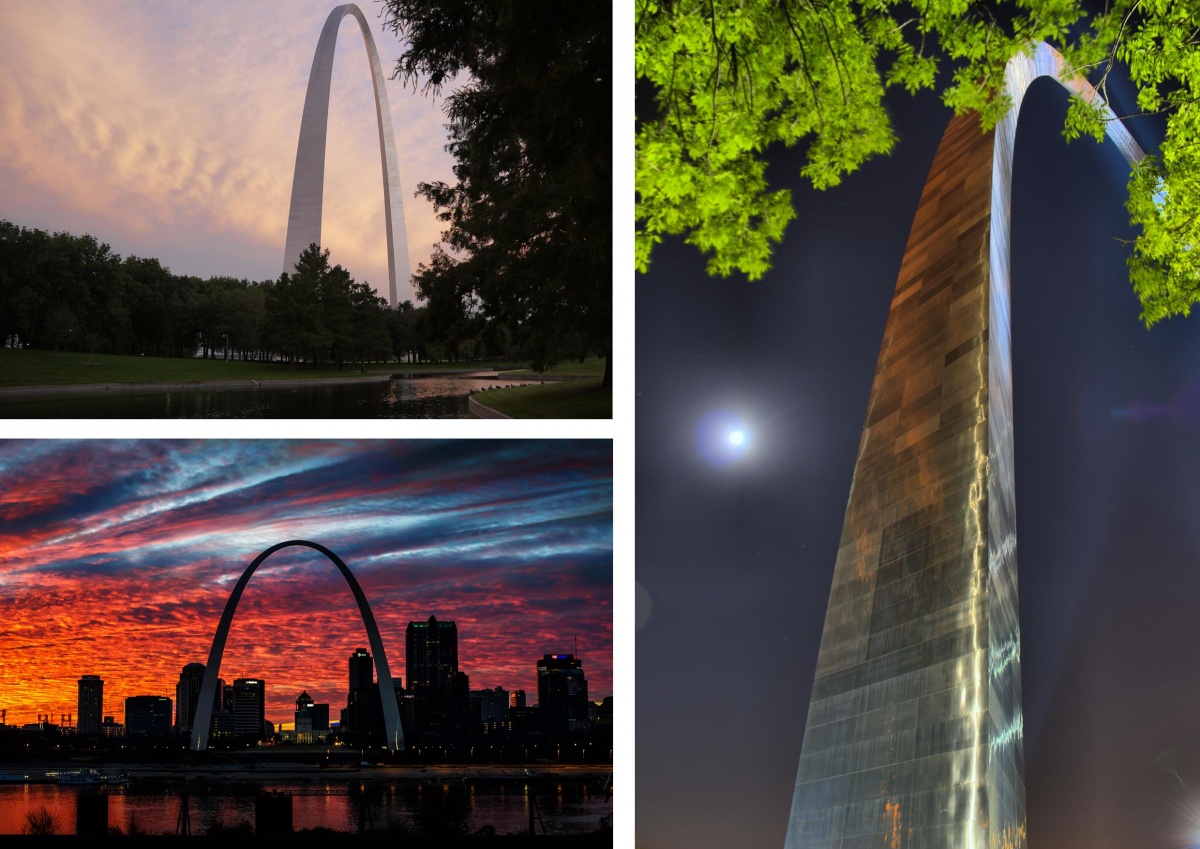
(723, 438)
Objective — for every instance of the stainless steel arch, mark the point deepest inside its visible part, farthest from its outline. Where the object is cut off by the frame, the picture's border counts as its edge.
(308, 181)
(914, 733)
(208, 688)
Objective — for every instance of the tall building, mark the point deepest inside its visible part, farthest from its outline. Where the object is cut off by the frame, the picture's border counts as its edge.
(364, 712)
(431, 652)
(91, 705)
(562, 693)
(493, 709)
(147, 716)
(431, 663)
(187, 695)
(362, 670)
(249, 707)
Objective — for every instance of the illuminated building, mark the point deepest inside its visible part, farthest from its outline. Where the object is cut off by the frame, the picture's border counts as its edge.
(914, 733)
(91, 705)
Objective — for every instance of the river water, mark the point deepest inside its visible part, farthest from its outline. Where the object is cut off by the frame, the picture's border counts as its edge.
(411, 396)
(572, 805)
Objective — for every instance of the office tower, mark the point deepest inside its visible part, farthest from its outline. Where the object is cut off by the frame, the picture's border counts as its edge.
(431, 652)
(249, 707)
(91, 705)
(562, 693)
(363, 709)
(362, 669)
(493, 709)
(516, 699)
(187, 694)
(147, 716)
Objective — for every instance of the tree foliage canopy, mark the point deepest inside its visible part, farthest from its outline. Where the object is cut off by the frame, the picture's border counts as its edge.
(528, 244)
(733, 77)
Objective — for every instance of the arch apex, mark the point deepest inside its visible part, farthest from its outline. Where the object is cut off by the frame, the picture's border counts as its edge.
(208, 687)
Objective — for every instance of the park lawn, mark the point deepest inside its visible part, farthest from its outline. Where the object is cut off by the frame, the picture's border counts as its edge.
(28, 367)
(591, 367)
(569, 399)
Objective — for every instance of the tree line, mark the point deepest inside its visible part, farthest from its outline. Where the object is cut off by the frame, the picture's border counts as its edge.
(64, 292)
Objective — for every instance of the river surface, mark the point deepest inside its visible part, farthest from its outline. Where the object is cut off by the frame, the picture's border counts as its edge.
(151, 806)
(412, 396)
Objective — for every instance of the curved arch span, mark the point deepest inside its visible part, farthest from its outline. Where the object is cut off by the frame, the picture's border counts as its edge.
(208, 688)
(915, 725)
(308, 180)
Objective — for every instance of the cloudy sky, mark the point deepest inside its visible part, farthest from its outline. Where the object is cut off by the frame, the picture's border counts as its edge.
(117, 558)
(170, 129)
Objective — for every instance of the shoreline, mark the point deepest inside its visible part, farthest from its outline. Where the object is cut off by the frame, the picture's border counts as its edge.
(345, 772)
(240, 384)
(182, 385)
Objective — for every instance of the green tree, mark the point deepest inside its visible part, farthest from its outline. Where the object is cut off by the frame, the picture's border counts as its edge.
(529, 238)
(731, 78)
(295, 328)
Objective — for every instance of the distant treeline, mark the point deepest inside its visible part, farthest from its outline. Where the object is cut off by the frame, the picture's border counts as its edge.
(64, 292)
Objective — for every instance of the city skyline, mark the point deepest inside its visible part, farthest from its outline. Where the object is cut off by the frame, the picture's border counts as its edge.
(114, 552)
(119, 698)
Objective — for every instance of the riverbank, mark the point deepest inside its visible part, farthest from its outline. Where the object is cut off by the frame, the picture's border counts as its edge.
(296, 771)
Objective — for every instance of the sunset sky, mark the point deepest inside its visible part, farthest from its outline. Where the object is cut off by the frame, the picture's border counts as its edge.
(117, 558)
(169, 130)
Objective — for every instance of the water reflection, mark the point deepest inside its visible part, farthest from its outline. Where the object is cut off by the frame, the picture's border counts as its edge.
(410, 396)
(448, 807)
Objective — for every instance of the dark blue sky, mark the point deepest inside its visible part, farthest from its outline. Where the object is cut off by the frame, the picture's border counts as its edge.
(737, 560)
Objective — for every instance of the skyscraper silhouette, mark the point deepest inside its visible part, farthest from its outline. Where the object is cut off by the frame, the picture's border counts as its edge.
(187, 695)
(91, 705)
(431, 652)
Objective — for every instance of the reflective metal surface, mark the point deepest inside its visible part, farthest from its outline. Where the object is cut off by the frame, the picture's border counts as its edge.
(308, 180)
(914, 731)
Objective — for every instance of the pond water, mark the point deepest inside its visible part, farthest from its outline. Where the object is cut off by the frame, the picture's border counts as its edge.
(565, 805)
(410, 396)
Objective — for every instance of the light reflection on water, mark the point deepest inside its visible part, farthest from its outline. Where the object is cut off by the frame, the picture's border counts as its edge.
(573, 806)
(439, 396)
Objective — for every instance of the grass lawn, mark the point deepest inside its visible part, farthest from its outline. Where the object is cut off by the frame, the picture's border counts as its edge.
(27, 367)
(591, 367)
(572, 399)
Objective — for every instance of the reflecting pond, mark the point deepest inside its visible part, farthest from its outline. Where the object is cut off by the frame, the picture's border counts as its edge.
(407, 396)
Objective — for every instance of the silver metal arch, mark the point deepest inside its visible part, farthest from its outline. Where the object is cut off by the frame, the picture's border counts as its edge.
(308, 180)
(918, 712)
(208, 688)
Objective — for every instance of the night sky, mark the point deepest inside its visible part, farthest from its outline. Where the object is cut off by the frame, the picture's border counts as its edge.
(735, 556)
(117, 559)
